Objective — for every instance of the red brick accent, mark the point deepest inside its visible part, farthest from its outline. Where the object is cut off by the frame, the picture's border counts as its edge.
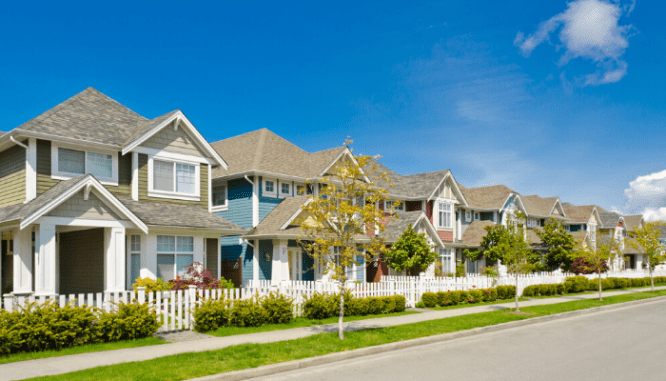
(445, 236)
(429, 210)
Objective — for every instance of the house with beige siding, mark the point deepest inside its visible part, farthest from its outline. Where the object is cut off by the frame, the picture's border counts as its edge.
(94, 195)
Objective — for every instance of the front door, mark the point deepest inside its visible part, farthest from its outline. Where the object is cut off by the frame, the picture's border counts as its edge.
(7, 254)
(295, 267)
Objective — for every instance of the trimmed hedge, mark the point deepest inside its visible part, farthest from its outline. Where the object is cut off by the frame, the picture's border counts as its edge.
(41, 327)
(579, 283)
(452, 298)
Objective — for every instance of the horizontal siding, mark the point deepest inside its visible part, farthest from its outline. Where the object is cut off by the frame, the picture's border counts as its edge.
(124, 187)
(265, 267)
(143, 186)
(266, 204)
(174, 141)
(12, 176)
(239, 194)
(231, 251)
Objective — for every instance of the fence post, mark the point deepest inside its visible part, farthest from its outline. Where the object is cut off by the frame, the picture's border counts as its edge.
(141, 294)
(412, 292)
(192, 291)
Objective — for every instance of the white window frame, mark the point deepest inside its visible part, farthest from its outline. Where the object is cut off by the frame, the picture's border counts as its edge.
(225, 206)
(477, 216)
(439, 215)
(57, 175)
(152, 192)
(468, 216)
(175, 252)
(287, 183)
(307, 192)
(445, 257)
(272, 193)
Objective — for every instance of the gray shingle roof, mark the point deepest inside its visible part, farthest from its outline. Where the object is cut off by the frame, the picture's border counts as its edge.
(490, 197)
(178, 216)
(475, 232)
(420, 185)
(394, 228)
(579, 214)
(609, 219)
(264, 151)
(633, 221)
(536, 205)
(270, 226)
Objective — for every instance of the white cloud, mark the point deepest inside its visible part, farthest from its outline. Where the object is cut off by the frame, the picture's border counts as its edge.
(589, 29)
(646, 195)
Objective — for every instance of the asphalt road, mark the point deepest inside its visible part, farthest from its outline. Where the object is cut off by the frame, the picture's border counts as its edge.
(623, 344)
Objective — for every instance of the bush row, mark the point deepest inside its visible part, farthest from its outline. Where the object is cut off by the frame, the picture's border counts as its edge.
(51, 327)
(322, 306)
(253, 312)
(452, 298)
(580, 283)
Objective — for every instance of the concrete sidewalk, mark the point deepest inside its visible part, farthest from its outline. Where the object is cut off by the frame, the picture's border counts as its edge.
(65, 364)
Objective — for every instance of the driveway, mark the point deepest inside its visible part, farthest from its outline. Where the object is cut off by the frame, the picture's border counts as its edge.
(621, 344)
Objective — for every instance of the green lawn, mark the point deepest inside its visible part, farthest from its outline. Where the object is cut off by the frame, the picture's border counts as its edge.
(190, 365)
(478, 304)
(595, 292)
(296, 323)
(82, 349)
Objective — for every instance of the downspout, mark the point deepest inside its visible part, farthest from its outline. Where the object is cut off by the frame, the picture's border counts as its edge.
(17, 142)
(249, 181)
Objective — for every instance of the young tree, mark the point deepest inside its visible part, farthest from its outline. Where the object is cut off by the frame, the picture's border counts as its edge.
(647, 240)
(596, 259)
(335, 222)
(560, 244)
(411, 251)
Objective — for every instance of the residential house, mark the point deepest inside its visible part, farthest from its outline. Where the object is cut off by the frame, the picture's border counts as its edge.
(613, 227)
(94, 195)
(538, 210)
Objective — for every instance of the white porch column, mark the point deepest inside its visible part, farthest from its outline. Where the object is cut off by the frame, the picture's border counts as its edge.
(149, 256)
(31, 170)
(255, 261)
(280, 263)
(114, 259)
(45, 264)
(23, 256)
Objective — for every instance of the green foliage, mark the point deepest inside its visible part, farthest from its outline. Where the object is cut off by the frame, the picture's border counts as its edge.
(460, 268)
(560, 244)
(317, 307)
(248, 313)
(429, 299)
(400, 302)
(375, 305)
(576, 283)
(411, 251)
(455, 297)
(506, 292)
(443, 298)
(278, 308)
(211, 315)
(129, 321)
(472, 255)
(152, 285)
(388, 304)
(420, 305)
(475, 296)
(359, 306)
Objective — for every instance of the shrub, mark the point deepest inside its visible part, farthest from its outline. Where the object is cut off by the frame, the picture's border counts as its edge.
(400, 302)
(455, 297)
(501, 292)
(464, 297)
(129, 321)
(359, 306)
(278, 308)
(576, 283)
(211, 315)
(429, 299)
(420, 305)
(530, 291)
(510, 292)
(443, 299)
(375, 305)
(247, 313)
(197, 275)
(388, 304)
(560, 289)
(476, 296)
(152, 285)
(317, 307)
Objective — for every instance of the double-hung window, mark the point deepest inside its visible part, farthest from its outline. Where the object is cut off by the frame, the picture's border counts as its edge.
(69, 162)
(270, 187)
(171, 178)
(135, 252)
(445, 258)
(444, 215)
(468, 216)
(285, 189)
(174, 254)
(220, 196)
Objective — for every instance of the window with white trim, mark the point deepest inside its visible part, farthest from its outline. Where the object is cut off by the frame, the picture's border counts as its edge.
(444, 214)
(394, 205)
(174, 254)
(477, 216)
(174, 178)
(73, 162)
(445, 260)
(220, 195)
(468, 216)
(285, 189)
(270, 187)
(135, 256)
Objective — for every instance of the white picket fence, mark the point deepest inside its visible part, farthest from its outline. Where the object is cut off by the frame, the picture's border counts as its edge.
(175, 309)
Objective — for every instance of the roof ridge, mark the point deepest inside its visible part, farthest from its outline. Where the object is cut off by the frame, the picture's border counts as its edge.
(138, 130)
(260, 148)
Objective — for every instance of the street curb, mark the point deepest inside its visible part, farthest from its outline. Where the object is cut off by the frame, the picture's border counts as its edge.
(267, 370)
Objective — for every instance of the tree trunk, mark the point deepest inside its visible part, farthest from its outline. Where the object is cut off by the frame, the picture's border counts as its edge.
(517, 308)
(341, 332)
(651, 279)
(600, 285)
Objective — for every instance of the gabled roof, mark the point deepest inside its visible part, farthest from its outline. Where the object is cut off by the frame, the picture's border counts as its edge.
(633, 222)
(273, 224)
(395, 228)
(94, 118)
(416, 186)
(264, 151)
(475, 232)
(609, 219)
(540, 206)
(580, 214)
(490, 197)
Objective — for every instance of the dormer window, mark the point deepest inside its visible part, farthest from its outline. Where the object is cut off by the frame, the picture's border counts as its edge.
(68, 162)
(285, 189)
(269, 187)
(173, 179)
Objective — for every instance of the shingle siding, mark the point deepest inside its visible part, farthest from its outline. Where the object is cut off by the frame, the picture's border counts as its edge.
(239, 200)
(12, 176)
(174, 141)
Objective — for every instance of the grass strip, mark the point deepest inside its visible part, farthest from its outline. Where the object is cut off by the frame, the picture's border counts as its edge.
(82, 349)
(596, 291)
(455, 307)
(191, 365)
(297, 323)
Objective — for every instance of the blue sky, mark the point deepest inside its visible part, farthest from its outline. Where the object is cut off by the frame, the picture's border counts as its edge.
(547, 97)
